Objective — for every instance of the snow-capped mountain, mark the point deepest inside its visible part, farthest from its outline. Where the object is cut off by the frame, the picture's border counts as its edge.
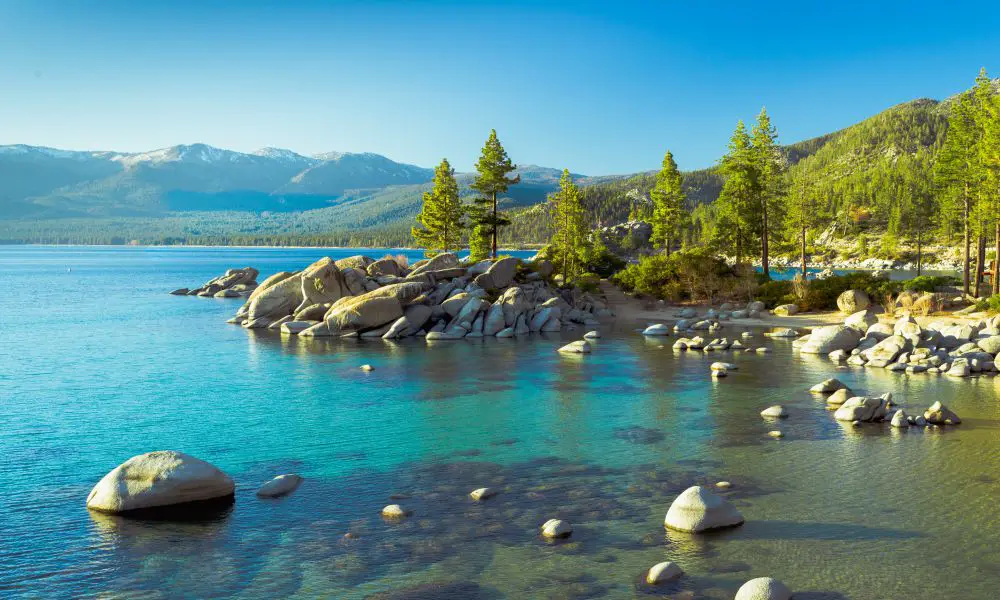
(49, 181)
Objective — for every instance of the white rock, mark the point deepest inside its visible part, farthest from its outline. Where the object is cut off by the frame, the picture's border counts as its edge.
(828, 385)
(556, 528)
(899, 419)
(717, 373)
(699, 509)
(763, 588)
(775, 434)
(577, 347)
(367, 368)
(657, 329)
(394, 511)
(663, 572)
(592, 335)
(724, 366)
(482, 494)
(776, 411)
(279, 486)
(158, 479)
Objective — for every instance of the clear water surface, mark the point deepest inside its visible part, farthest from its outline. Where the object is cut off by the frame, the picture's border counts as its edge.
(98, 363)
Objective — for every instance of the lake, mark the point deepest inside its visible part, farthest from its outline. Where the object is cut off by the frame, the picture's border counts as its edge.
(98, 363)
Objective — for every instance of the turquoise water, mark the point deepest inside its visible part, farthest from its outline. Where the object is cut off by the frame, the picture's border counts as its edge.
(98, 363)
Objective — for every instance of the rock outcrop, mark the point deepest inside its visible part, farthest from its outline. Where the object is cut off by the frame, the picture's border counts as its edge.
(234, 283)
(439, 298)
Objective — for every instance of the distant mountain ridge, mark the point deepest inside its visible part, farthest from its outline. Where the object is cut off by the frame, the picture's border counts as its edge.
(41, 182)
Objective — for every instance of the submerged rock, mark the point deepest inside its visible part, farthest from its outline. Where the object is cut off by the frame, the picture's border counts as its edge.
(395, 511)
(777, 411)
(577, 347)
(159, 479)
(280, 486)
(656, 329)
(827, 386)
(698, 509)
(839, 397)
(482, 494)
(556, 528)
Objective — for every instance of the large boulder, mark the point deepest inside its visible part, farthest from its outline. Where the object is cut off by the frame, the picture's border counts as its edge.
(887, 350)
(322, 283)
(861, 408)
(861, 321)
(577, 347)
(828, 385)
(939, 414)
(445, 260)
(494, 319)
(499, 275)
(699, 509)
(515, 302)
(763, 588)
(852, 301)
(276, 301)
(384, 266)
(824, 340)
(990, 344)
(357, 261)
(786, 310)
(355, 281)
(414, 317)
(454, 305)
(159, 479)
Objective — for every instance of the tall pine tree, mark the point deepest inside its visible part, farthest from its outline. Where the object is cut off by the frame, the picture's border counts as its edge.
(988, 113)
(769, 165)
(806, 211)
(440, 218)
(669, 210)
(491, 181)
(957, 172)
(570, 236)
(736, 224)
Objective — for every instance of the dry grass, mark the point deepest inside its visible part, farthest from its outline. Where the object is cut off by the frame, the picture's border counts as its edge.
(400, 259)
(926, 304)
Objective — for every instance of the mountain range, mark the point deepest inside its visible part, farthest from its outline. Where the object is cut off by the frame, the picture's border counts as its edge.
(201, 194)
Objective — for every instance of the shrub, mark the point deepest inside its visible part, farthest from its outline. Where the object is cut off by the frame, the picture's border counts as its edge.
(774, 293)
(588, 282)
(991, 304)
(928, 283)
(693, 274)
(598, 259)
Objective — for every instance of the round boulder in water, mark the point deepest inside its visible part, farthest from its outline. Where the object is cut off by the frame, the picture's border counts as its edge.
(156, 480)
(764, 588)
(663, 572)
(556, 528)
(699, 509)
(279, 486)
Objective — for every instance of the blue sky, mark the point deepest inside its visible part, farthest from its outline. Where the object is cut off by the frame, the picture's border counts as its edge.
(596, 87)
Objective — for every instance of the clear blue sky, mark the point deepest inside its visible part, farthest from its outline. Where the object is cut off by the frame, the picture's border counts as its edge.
(596, 87)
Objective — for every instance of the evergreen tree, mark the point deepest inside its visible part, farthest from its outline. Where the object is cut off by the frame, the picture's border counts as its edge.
(491, 181)
(806, 210)
(479, 243)
(570, 229)
(440, 217)
(768, 164)
(735, 223)
(669, 212)
(957, 172)
(988, 118)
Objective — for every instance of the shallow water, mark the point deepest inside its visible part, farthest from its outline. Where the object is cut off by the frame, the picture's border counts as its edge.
(98, 363)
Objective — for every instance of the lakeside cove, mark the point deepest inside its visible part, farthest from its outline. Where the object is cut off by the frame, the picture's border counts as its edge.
(603, 443)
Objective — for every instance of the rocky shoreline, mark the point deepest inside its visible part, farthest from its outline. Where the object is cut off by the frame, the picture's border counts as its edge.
(441, 298)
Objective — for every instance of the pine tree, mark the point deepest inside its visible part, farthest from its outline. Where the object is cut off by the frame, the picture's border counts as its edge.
(440, 217)
(479, 243)
(491, 181)
(989, 158)
(806, 210)
(957, 171)
(735, 223)
(768, 163)
(668, 197)
(570, 228)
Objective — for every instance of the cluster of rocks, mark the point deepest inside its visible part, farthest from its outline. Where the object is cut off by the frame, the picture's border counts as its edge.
(441, 298)
(159, 481)
(873, 409)
(954, 348)
(234, 283)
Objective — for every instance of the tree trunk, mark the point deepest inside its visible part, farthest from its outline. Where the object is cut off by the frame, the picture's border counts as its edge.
(803, 248)
(494, 225)
(966, 242)
(763, 243)
(920, 256)
(995, 277)
(739, 238)
(980, 259)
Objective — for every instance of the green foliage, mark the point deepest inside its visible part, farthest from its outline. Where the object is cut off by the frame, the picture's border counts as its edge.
(491, 180)
(440, 218)
(598, 259)
(669, 210)
(928, 283)
(776, 292)
(480, 243)
(569, 239)
(689, 274)
(991, 304)
(587, 282)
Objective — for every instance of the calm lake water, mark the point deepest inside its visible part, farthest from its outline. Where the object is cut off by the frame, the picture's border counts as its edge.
(98, 363)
